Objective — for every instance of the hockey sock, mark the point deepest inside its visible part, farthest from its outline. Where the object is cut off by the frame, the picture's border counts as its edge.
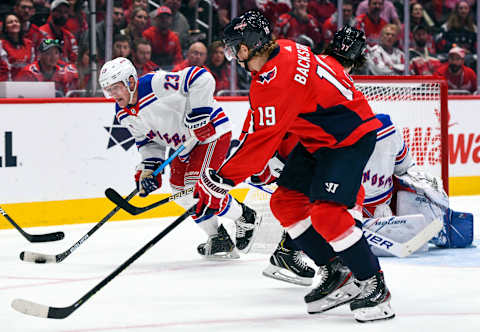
(210, 225)
(315, 246)
(288, 243)
(232, 209)
(360, 259)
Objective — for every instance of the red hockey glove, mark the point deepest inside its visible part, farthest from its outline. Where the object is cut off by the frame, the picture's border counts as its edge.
(210, 190)
(146, 182)
(200, 125)
(205, 132)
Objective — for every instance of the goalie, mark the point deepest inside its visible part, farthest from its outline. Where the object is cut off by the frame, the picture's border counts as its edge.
(390, 173)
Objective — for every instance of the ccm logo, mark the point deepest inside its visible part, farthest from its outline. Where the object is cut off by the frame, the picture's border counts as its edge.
(9, 159)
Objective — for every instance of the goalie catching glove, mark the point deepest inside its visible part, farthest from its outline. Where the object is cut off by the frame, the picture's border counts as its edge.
(144, 178)
(200, 126)
(211, 191)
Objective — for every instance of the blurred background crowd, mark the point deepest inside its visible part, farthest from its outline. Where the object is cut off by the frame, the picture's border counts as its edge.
(45, 40)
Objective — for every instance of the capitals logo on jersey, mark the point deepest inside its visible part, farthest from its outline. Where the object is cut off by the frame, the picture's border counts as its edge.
(268, 76)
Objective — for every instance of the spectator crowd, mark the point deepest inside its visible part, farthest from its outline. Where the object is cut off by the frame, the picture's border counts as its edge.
(44, 40)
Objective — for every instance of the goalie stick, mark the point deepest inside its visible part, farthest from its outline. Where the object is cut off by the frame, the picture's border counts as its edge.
(116, 198)
(399, 249)
(44, 311)
(33, 237)
(29, 256)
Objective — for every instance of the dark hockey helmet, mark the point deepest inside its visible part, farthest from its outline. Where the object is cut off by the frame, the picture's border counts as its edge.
(251, 29)
(349, 43)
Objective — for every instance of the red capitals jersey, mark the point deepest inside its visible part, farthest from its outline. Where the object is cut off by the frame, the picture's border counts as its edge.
(70, 46)
(304, 94)
(14, 58)
(65, 77)
(35, 35)
(166, 49)
(466, 80)
(146, 68)
(372, 29)
(288, 26)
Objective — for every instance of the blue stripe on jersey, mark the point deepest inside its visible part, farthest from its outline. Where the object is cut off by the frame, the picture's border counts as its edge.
(219, 122)
(123, 116)
(187, 77)
(337, 121)
(385, 136)
(376, 198)
(385, 120)
(214, 114)
(197, 75)
(148, 102)
(142, 143)
(202, 110)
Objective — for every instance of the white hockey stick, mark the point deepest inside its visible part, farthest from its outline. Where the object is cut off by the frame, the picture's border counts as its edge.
(399, 249)
(403, 249)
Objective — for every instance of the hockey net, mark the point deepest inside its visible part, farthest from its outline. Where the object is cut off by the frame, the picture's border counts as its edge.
(418, 108)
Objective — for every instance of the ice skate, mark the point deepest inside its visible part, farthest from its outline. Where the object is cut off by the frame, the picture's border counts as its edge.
(246, 228)
(219, 246)
(373, 303)
(288, 265)
(336, 287)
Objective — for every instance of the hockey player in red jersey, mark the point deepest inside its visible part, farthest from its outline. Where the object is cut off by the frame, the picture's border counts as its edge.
(319, 193)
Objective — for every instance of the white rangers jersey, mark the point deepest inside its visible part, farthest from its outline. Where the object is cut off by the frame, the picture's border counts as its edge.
(156, 121)
(390, 157)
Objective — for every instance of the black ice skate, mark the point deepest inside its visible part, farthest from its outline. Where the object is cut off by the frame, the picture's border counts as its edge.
(288, 265)
(373, 303)
(219, 246)
(336, 287)
(246, 228)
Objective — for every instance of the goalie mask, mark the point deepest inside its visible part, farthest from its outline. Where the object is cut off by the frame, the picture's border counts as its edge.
(118, 70)
(251, 29)
(349, 43)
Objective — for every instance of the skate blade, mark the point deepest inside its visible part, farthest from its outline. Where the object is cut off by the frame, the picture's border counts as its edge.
(256, 227)
(223, 256)
(383, 311)
(281, 274)
(341, 296)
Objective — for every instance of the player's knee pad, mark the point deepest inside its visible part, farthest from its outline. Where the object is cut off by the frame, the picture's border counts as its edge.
(336, 225)
(289, 206)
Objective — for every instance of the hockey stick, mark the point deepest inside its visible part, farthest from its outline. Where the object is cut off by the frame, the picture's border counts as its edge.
(399, 249)
(41, 310)
(33, 237)
(116, 198)
(29, 256)
(122, 203)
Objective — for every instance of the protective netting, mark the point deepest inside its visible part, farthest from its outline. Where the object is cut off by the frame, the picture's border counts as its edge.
(414, 107)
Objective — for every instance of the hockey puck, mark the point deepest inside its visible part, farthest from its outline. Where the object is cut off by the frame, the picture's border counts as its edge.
(22, 255)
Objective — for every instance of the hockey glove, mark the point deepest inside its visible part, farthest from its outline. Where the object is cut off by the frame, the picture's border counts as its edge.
(270, 173)
(210, 190)
(146, 182)
(200, 126)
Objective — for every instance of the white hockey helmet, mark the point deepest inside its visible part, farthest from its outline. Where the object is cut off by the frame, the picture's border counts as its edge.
(118, 70)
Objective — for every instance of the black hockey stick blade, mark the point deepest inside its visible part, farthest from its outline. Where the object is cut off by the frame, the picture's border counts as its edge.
(34, 257)
(116, 198)
(41, 310)
(33, 237)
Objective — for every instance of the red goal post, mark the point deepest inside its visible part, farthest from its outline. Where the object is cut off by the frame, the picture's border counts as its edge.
(418, 105)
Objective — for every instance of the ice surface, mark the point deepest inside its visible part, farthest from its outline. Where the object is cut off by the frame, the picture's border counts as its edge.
(170, 288)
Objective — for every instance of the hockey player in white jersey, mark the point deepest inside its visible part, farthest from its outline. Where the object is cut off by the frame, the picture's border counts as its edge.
(164, 109)
(390, 169)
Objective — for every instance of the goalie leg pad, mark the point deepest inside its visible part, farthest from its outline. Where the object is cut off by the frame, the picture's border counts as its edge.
(289, 206)
(457, 230)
